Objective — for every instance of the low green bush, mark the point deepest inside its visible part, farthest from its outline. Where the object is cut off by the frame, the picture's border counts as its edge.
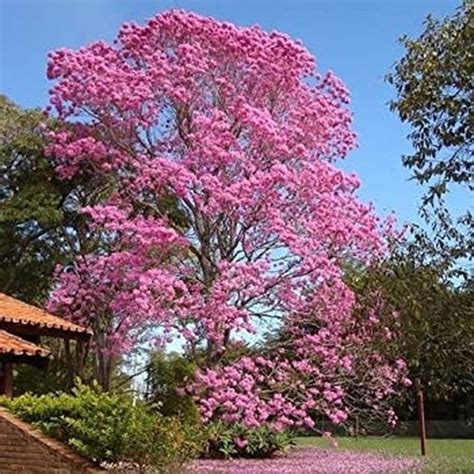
(110, 428)
(225, 440)
(167, 374)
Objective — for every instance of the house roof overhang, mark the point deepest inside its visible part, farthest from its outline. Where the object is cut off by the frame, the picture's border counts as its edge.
(17, 350)
(17, 317)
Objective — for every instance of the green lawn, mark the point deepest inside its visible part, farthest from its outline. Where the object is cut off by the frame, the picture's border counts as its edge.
(443, 455)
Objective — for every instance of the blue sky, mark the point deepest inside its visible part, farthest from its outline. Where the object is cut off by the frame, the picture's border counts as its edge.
(357, 39)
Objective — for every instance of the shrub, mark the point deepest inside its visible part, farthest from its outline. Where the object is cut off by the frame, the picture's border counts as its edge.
(161, 442)
(109, 428)
(166, 374)
(235, 440)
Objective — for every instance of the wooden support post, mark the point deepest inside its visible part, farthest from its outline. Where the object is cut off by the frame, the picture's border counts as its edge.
(6, 379)
(2, 379)
(421, 418)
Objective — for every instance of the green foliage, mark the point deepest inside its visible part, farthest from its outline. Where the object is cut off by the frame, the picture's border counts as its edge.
(71, 361)
(235, 440)
(40, 225)
(30, 379)
(434, 89)
(435, 327)
(166, 374)
(58, 376)
(109, 427)
(162, 442)
(429, 282)
(30, 205)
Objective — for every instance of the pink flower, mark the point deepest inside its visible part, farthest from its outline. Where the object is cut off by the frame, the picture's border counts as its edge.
(248, 155)
(240, 442)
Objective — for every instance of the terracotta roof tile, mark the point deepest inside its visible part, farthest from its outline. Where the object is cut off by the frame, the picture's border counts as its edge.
(14, 345)
(16, 312)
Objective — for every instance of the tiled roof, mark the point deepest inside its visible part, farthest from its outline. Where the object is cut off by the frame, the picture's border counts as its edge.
(14, 312)
(15, 346)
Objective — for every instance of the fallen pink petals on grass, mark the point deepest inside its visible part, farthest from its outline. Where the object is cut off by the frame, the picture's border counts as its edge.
(311, 460)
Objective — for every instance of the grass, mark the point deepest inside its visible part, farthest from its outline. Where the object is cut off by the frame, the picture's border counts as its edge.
(443, 455)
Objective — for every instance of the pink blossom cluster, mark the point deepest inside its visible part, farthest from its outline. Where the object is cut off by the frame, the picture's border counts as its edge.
(335, 368)
(239, 128)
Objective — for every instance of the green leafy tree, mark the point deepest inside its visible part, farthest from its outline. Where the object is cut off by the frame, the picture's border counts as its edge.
(434, 86)
(166, 375)
(40, 225)
(434, 328)
(30, 205)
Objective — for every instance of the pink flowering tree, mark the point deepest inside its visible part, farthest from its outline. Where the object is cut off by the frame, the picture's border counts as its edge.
(240, 130)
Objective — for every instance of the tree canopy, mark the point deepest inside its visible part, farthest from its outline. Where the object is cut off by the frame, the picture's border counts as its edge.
(434, 86)
(40, 223)
(244, 133)
(31, 199)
